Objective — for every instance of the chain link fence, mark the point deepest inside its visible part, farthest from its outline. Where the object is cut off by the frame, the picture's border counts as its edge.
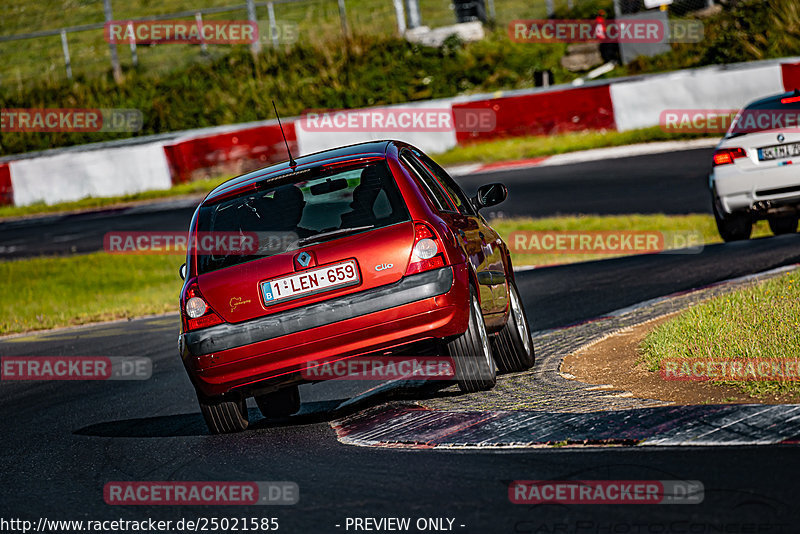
(72, 42)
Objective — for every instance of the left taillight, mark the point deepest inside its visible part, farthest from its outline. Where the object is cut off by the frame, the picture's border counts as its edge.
(195, 311)
(726, 156)
(427, 253)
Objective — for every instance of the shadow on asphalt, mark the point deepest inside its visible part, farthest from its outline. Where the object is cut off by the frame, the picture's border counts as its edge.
(192, 424)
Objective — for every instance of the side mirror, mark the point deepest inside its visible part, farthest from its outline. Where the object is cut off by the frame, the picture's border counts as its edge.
(490, 195)
(182, 271)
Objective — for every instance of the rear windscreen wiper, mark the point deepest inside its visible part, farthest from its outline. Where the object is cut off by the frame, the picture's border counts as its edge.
(333, 233)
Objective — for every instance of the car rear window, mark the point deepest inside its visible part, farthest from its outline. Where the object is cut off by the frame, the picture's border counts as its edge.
(773, 114)
(314, 205)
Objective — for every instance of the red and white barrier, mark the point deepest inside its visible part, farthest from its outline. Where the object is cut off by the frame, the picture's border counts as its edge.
(234, 152)
(311, 140)
(72, 175)
(639, 103)
(544, 113)
(6, 188)
(790, 72)
(622, 104)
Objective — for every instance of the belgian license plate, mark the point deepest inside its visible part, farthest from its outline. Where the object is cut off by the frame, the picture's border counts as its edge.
(310, 282)
(789, 150)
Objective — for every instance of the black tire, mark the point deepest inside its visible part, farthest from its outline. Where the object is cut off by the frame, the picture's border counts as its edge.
(472, 353)
(733, 227)
(783, 225)
(512, 346)
(281, 403)
(224, 415)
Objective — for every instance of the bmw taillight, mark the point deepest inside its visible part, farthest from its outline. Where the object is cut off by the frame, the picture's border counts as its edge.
(726, 156)
(427, 252)
(196, 312)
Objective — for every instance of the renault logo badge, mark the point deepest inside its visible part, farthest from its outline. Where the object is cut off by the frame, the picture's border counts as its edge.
(304, 258)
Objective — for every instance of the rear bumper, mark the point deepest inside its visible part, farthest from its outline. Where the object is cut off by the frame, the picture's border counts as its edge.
(757, 190)
(275, 348)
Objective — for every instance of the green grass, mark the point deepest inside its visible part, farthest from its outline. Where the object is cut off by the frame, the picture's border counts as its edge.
(42, 293)
(315, 21)
(41, 59)
(192, 188)
(702, 224)
(750, 30)
(237, 87)
(760, 321)
(535, 146)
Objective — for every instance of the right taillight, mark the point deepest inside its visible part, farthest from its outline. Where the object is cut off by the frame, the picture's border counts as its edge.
(427, 252)
(726, 156)
(196, 312)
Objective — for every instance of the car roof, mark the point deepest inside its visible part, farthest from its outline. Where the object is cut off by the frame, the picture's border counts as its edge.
(366, 149)
(772, 99)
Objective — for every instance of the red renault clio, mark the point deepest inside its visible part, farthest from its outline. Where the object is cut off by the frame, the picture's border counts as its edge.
(370, 249)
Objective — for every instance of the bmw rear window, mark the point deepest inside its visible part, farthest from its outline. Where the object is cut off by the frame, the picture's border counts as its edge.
(286, 213)
(773, 114)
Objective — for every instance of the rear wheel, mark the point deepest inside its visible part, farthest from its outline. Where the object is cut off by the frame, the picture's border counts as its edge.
(224, 415)
(472, 354)
(281, 403)
(733, 227)
(513, 347)
(783, 225)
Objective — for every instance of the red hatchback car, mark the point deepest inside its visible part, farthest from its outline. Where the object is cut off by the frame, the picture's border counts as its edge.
(369, 249)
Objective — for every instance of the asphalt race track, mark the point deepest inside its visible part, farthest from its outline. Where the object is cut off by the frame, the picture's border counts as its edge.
(673, 183)
(65, 440)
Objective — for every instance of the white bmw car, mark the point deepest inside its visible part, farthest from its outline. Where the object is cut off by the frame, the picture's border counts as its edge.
(756, 173)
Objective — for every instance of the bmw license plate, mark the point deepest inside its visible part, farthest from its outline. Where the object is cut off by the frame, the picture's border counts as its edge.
(310, 282)
(788, 150)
